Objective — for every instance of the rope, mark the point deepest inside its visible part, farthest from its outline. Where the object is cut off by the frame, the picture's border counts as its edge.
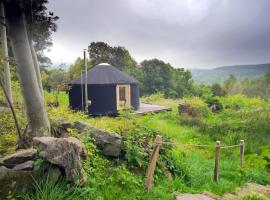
(198, 145)
(180, 144)
(225, 147)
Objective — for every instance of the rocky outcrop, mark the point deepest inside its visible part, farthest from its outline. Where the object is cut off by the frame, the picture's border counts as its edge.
(110, 143)
(17, 172)
(81, 125)
(65, 153)
(14, 182)
(26, 166)
(19, 157)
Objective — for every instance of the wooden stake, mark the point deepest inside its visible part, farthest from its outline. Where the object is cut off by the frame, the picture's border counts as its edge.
(217, 160)
(153, 162)
(242, 150)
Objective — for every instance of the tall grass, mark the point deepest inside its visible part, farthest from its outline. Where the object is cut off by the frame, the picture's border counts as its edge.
(180, 169)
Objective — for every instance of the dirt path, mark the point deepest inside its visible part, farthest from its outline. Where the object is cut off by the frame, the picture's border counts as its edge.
(248, 191)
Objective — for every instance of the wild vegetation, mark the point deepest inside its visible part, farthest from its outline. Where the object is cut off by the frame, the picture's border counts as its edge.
(180, 168)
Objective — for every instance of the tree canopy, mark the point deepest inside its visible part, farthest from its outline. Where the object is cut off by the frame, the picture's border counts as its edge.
(154, 75)
(101, 52)
(41, 23)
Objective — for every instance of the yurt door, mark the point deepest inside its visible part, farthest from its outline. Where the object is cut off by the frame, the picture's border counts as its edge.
(122, 96)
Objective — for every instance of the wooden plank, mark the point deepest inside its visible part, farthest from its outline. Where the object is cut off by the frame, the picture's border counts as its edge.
(153, 162)
(149, 108)
(217, 162)
(242, 151)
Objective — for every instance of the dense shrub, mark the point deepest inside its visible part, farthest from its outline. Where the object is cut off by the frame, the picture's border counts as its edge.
(260, 160)
(192, 110)
(138, 142)
(242, 118)
(238, 102)
(196, 107)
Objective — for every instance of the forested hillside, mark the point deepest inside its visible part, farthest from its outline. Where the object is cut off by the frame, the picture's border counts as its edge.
(220, 74)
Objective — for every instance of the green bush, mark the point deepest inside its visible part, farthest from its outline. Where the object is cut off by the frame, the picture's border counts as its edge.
(260, 160)
(196, 107)
(238, 102)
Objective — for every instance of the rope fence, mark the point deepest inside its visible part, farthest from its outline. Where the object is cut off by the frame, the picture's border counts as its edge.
(158, 142)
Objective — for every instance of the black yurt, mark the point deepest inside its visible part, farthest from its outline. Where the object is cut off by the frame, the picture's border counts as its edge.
(109, 90)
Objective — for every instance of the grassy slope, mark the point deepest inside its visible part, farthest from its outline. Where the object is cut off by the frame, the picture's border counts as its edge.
(192, 167)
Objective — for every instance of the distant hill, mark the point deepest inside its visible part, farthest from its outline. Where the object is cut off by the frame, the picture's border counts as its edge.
(220, 74)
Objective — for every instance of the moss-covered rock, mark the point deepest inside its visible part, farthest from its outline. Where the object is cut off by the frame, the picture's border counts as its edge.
(13, 182)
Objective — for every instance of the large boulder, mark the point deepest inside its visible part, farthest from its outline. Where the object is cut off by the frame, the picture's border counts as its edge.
(66, 153)
(26, 166)
(14, 182)
(111, 144)
(19, 157)
(81, 125)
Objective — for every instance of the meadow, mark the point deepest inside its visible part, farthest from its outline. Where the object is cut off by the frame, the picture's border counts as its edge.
(180, 168)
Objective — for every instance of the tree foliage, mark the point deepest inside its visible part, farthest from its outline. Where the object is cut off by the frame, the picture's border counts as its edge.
(154, 75)
(41, 23)
(218, 90)
(56, 80)
(158, 76)
(259, 87)
(230, 82)
(75, 69)
(101, 52)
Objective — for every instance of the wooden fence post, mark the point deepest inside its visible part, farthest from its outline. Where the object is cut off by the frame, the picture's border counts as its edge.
(217, 160)
(242, 150)
(153, 162)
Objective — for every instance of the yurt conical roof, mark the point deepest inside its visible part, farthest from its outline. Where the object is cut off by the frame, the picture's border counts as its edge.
(105, 73)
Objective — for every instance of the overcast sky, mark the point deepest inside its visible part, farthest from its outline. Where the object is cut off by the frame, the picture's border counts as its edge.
(185, 33)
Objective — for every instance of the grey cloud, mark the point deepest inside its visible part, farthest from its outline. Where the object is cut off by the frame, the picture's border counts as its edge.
(189, 33)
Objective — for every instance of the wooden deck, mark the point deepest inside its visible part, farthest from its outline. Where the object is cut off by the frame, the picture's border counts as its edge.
(149, 108)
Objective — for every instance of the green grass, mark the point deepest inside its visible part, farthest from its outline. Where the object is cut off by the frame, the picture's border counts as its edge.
(180, 168)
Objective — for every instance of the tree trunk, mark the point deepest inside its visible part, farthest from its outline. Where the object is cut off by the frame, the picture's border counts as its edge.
(33, 100)
(36, 64)
(6, 71)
